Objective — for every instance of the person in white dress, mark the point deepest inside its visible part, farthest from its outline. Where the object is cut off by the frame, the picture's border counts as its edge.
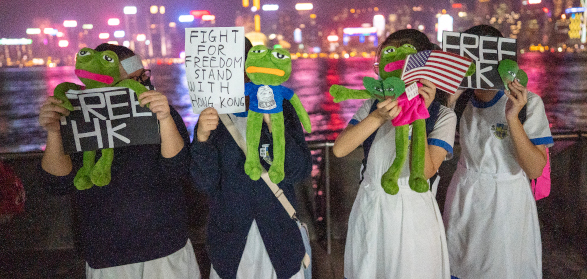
(402, 235)
(490, 213)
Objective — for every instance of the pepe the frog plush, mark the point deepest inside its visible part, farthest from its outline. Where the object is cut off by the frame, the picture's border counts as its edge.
(414, 111)
(509, 71)
(95, 70)
(268, 69)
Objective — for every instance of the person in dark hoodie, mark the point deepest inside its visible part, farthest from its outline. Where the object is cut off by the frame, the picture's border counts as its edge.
(136, 226)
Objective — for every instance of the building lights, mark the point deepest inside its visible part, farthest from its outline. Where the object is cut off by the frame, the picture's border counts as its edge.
(22, 41)
(332, 38)
(33, 31)
(208, 17)
(162, 10)
(186, 18)
(87, 26)
(130, 10)
(270, 7)
(63, 43)
(119, 34)
(69, 23)
(199, 13)
(257, 23)
(304, 6)
(141, 37)
(113, 21)
(154, 9)
(104, 36)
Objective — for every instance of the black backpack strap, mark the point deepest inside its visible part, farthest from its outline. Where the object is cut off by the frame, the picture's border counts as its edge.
(461, 103)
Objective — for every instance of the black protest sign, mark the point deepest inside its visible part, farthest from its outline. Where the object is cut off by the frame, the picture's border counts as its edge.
(486, 52)
(215, 66)
(107, 118)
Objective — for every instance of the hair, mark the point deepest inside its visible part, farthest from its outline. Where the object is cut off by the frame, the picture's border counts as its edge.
(248, 46)
(484, 30)
(407, 36)
(121, 51)
(420, 41)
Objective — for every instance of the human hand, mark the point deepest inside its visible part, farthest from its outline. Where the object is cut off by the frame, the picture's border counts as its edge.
(428, 91)
(517, 99)
(387, 109)
(50, 114)
(157, 102)
(207, 122)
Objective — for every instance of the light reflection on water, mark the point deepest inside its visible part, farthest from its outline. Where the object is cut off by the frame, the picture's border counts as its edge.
(558, 78)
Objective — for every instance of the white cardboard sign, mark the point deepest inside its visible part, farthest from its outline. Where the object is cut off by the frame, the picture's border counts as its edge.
(215, 66)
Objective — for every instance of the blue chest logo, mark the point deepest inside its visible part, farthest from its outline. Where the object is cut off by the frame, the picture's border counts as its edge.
(500, 131)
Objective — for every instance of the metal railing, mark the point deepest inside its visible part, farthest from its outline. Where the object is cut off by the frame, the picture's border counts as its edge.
(326, 146)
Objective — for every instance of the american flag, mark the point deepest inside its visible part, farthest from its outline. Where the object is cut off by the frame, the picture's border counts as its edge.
(446, 70)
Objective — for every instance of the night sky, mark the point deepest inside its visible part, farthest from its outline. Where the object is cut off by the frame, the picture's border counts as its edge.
(16, 16)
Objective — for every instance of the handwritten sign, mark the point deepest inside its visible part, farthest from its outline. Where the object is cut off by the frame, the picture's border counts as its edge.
(486, 52)
(107, 118)
(215, 66)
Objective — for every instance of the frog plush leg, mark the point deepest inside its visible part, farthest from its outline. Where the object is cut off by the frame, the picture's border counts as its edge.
(252, 164)
(276, 172)
(82, 180)
(101, 171)
(390, 177)
(341, 93)
(417, 180)
(60, 91)
(301, 112)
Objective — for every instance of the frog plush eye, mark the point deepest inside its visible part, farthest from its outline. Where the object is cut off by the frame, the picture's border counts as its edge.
(108, 58)
(258, 50)
(280, 55)
(512, 73)
(388, 50)
(83, 53)
(410, 46)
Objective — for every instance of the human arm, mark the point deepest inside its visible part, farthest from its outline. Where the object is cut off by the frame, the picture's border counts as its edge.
(531, 157)
(354, 135)
(440, 140)
(205, 161)
(171, 140)
(54, 161)
(427, 91)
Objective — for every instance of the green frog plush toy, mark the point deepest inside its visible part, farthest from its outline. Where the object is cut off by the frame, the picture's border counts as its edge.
(268, 69)
(391, 64)
(95, 70)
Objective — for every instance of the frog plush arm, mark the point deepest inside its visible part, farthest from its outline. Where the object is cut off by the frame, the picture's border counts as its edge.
(341, 93)
(60, 91)
(301, 112)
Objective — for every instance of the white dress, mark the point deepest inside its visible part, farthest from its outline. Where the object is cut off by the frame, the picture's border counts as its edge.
(402, 235)
(490, 214)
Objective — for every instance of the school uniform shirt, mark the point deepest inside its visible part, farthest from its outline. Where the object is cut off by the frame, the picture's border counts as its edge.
(250, 235)
(402, 235)
(490, 213)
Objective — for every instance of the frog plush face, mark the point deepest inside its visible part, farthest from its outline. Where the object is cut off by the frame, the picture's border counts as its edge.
(97, 68)
(509, 71)
(268, 66)
(392, 60)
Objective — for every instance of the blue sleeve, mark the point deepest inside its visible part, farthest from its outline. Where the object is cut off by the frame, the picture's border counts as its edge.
(286, 92)
(249, 88)
(205, 163)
